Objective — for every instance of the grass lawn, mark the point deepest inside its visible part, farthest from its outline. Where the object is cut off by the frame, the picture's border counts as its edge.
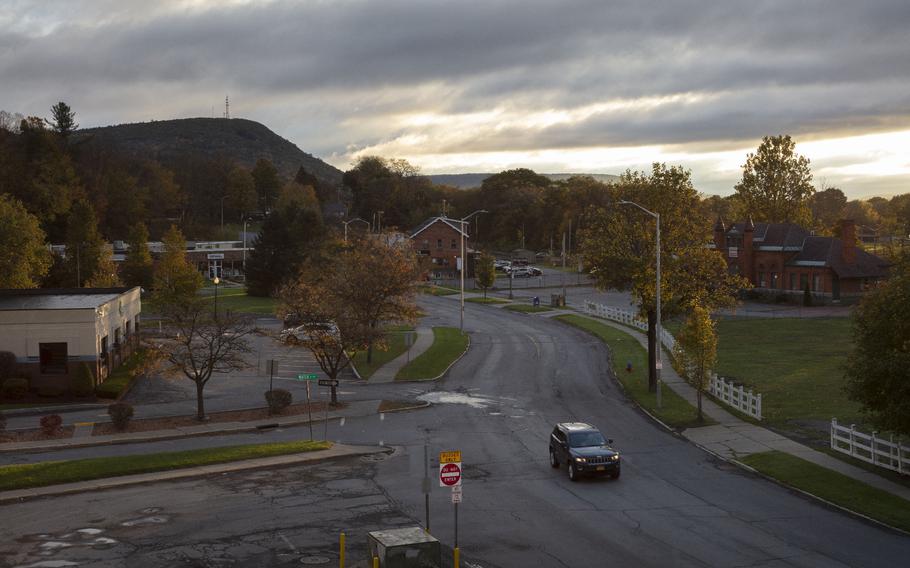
(486, 300)
(120, 378)
(51, 473)
(438, 290)
(395, 347)
(448, 344)
(796, 363)
(676, 411)
(527, 308)
(237, 300)
(833, 486)
(26, 405)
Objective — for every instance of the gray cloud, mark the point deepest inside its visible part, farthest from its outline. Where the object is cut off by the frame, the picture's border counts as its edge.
(343, 70)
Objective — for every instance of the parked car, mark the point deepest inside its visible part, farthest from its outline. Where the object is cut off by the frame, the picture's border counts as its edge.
(519, 272)
(503, 265)
(535, 271)
(294, 335)
(584, 450)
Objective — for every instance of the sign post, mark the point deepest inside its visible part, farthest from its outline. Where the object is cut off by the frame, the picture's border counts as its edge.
(450, 476)
(308, 378)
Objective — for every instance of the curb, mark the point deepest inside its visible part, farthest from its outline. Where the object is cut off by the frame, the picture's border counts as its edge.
(288, 460)
(163, 438)
(424, 404)
(442, 374)
(34, 411)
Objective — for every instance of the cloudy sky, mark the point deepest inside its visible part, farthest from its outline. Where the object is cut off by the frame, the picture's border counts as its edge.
(557, 86)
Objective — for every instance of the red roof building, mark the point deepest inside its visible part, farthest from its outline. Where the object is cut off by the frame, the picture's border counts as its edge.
(439, 240)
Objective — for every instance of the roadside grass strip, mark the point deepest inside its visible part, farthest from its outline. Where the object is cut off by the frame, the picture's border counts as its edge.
(448, 345)
(486, 301)
(237, 300)
(675, 411)
(24, 476)
(121, 377)
(527, 309)
(438, 290)
(833, 486)
(395, 346)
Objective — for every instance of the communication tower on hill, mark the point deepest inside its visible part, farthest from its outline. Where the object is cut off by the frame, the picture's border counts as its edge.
(227, 107)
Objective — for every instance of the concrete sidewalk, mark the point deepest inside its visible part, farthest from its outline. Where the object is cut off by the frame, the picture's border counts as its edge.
(336, 451)
(733, 438)
(387, 373)
(354, 409)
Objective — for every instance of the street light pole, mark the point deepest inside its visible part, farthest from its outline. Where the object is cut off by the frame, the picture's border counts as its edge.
(464, 262)
(216, 281)
(245, 221)
(658, 363)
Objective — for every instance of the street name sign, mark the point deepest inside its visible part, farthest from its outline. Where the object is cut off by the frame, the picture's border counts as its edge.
(307, 377)
(327, 382)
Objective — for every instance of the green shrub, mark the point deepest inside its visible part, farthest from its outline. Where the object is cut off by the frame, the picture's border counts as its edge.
(7, 365)
(14, 389)
(120, 413)
(50, 424)
(278, 400)
(84, 382)
(807, 296)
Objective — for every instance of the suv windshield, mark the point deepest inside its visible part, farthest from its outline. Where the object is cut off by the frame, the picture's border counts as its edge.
(585, 439)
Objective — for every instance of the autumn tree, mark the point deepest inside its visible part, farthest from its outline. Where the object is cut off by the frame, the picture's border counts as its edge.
(878, 367)
(777, 183)
(695, 352)
(618, 245)
(328, 328)
(176, 281)
(138, 269)
(24, 258)
(241, 192)
(205, 346)
(378, 281)
(105, 275)
(63, 119)
(484, 273)
(827, 208)
(84, 245)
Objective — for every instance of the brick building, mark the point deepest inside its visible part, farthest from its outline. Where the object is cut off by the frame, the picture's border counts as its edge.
(786, 258)
(439, 240)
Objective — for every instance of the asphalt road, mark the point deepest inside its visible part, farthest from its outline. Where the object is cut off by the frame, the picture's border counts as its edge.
(673, 506)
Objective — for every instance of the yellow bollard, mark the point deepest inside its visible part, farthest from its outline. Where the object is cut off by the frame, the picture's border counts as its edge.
(341, 552)
(375, 562)
(457, 554)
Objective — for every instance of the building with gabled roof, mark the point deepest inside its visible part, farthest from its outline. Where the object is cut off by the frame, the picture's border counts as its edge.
(787, 258)
(438, 240)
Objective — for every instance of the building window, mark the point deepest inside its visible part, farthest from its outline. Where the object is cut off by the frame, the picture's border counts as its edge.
(793, 281)
(761, 279)
(439, 243)
(454, 244)
(127, 332)
(426, 244)
(817, 283)
(117, 336)
(52, 357)
(803, 281)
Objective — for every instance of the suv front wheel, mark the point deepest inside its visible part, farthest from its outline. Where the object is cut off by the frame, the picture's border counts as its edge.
(573, 475)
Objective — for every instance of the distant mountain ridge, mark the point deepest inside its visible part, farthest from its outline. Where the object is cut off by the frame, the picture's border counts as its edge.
(467, 181)
(243, 141)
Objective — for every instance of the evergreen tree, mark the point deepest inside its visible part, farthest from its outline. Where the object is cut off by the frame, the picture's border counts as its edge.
(137, 268)
(288, 238)
(64, 119)
(267, 183)
(84, 245)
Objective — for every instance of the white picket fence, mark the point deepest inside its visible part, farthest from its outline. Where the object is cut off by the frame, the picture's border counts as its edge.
(629, 318)
(869, 448)
(736, 396)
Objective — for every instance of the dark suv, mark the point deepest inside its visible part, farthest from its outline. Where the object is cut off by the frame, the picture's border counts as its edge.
(584, 449)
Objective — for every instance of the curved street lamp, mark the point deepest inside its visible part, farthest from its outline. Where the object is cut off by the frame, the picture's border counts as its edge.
(658, 365)
(464, 261)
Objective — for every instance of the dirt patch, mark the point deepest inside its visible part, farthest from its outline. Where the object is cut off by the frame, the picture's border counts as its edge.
(150, 424)
(34, 435)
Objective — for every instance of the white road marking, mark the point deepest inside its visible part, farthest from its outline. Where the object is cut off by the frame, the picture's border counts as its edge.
(287, 542)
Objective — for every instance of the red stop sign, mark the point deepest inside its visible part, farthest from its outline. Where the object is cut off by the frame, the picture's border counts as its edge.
(450, 474)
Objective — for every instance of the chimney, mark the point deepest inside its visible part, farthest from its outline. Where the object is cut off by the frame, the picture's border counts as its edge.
(848, 240)
(720, 230)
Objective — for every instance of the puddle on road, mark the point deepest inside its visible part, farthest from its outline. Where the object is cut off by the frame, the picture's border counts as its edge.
(442, 397)
(153, 520)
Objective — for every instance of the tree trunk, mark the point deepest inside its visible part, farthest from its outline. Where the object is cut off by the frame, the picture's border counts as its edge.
(200, 402)
(652, 351)
(701, 417)
(370, 345)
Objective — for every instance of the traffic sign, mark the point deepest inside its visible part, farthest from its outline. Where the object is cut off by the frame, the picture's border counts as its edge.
(450, 457)
(307, 377)
(328, 383)
(449, 474)
(456, 494)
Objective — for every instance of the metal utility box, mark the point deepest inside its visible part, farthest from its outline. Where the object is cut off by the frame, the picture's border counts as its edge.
(405, 548)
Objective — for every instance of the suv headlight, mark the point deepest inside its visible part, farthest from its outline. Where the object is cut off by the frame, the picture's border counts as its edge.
(580, 460)
(615, 457)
